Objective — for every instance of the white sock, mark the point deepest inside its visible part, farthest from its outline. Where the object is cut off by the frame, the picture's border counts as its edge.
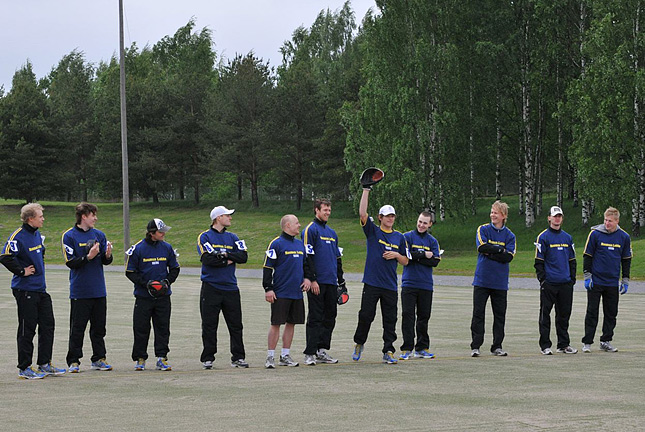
(270, 353)
(285, 351)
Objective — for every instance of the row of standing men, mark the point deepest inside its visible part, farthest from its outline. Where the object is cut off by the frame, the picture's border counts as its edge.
(312, 265)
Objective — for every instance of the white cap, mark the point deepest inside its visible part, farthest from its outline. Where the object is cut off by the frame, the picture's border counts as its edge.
(220, 210)
(555, 210)
(386, 210)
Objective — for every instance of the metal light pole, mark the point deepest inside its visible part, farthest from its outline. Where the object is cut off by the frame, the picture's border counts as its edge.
(124, 137)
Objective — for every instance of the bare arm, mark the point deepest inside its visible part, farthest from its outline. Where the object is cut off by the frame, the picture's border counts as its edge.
(362, 208)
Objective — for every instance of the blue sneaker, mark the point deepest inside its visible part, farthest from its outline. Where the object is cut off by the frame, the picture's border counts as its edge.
(48, 369)
(30, 373)
(405, 355)
(74, 368)
(424, 353)
(162, 364)
(140, 365)
(389, 358)
(358, 350)
(101, 365)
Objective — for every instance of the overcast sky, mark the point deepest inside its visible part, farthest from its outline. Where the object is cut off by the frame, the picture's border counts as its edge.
(43, 31)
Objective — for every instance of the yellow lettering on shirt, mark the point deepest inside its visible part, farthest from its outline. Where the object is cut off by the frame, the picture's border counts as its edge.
(610, 245)
(293, 253)
(386, 244)
(501, 243)
(558, 245)
(31, 249)
(155, 259)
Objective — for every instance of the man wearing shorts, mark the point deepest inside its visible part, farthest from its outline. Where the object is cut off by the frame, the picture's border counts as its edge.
(284, 281)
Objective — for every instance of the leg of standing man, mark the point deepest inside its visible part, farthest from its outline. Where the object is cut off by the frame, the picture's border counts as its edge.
(498, 302)
(478, 322)
(548, 296)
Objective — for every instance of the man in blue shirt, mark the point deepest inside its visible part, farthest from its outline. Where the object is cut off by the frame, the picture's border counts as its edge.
(284, 280)
(386, 248)
(23, 255)
(608, 251)
(86, 250)
(417, 288)
(326, 269)
(496, 247)
(152, 266)
(219, 252)
(555, 267)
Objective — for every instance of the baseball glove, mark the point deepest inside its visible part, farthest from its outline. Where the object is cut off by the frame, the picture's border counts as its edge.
(157, 288)
(370, 177)
(343, 295)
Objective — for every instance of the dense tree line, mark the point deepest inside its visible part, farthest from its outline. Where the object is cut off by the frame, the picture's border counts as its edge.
(453, 100)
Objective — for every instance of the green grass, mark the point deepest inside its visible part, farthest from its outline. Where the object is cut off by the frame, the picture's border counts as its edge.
(525, 391)
(259, 226)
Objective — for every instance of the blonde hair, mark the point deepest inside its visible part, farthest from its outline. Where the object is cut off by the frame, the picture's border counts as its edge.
(28, 211)
(501, 207)
(611, 211)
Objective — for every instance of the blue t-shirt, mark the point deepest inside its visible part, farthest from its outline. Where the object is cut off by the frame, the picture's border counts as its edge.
(286, 257)
(555, 248)
(607, 251)
(490, 273)
(321, 243)
(415, 274)
(380, 272)
(26, 245)
(87, 281)
(152, 260)
(213, 241)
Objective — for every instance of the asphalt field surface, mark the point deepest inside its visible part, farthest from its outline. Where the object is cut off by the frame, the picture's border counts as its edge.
(524, 391)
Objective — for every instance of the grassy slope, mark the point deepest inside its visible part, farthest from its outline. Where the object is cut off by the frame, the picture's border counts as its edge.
(259, 226)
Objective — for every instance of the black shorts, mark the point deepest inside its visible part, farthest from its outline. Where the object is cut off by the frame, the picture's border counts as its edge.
(284, 310)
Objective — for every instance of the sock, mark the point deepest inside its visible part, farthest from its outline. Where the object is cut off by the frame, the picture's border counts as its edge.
(285, 351)
(270, 353)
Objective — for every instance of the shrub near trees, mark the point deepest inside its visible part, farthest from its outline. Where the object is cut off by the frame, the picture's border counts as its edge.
(453, 100)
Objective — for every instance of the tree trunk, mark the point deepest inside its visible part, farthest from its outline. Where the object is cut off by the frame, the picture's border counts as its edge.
(498, 152)
(239, 187)
(471, 148)
(529, 154)
(255, 200)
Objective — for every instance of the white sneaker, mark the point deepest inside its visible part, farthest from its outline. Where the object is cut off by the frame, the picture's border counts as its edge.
(586, 348)
(286, 360)
(567, 350)
(310, 360)
(208, 365)
(499, 352)
(547, 351)
(324, 357)
(270, 363)
(475, 353)
(607, 346)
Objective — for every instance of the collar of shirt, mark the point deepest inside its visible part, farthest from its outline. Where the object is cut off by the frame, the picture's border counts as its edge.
(319, 222)
(29, 228)
(287, 236)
